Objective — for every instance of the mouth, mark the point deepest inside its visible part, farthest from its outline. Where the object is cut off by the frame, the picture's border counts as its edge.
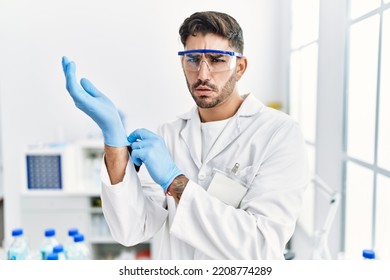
(203, 91)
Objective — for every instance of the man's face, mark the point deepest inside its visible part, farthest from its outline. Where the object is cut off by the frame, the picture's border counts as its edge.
(208, 88)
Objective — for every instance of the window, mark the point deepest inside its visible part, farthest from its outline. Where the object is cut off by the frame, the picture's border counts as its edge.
(367, 133)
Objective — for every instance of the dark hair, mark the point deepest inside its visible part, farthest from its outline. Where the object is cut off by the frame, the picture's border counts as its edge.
(216, 23)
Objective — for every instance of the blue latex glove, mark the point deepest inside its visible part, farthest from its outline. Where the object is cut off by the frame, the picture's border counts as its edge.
(96, 105)
(150, 149)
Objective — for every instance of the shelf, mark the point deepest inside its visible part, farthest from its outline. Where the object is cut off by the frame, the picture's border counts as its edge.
(59, 193)
(96, 210)
(102, 240)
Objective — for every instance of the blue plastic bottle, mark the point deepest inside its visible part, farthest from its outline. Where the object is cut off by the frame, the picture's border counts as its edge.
(18, 250)
(79, 250)
(70, 240)
(59, 250)
(48, 243)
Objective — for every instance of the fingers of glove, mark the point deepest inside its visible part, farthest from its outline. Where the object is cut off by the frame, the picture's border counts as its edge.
(72, 86)
(65, 62)
(137, 167)
(148, 148)
(136, 156)
(136, 145)
(142, 155)
(140, 134)
(148, 151)
(90, 88)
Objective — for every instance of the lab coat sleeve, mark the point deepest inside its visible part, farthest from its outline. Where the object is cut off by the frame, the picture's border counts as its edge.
(133, 213)
(267, 215)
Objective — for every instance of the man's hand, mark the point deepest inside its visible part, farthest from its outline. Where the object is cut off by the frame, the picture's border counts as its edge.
(150, 149)
(96, 105)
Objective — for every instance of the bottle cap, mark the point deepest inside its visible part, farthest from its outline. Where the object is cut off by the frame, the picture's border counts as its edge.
(52, 256)
(17, 232)
(58, 248)
(50, 232)
(78, 238)
(368, 254)
(73, 231)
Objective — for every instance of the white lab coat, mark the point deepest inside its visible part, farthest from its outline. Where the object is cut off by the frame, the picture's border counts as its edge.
(270, 149)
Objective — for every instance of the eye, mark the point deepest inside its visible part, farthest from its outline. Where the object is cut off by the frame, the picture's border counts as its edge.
(193, 58)
(216, 58)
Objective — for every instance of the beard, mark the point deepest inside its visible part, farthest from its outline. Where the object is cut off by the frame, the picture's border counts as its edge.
(203, 101)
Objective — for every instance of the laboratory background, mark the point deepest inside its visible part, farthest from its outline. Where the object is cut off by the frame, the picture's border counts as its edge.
(324, 62)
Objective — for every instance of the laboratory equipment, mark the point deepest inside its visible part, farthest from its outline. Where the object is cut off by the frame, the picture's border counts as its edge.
(79, 249)
(18, 250)
(321, 235)
(59, 251)
(48, 243)
(50, 167)
(70, 240)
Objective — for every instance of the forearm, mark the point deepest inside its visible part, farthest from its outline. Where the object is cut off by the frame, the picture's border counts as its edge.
(224, 227)
(133, 213)
(116, 159)
(176, 188)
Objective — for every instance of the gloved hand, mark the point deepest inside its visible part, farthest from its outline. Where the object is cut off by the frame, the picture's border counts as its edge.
(150, 149)
(96, 105)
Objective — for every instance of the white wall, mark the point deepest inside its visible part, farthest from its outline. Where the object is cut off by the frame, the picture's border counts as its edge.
(128, 49)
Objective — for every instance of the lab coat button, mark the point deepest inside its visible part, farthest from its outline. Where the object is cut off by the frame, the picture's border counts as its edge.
(201, 176)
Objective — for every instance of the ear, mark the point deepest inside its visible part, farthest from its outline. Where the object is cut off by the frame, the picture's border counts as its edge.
(241, 66)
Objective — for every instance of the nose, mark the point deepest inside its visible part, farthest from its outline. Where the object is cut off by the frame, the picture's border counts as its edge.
(204, 71)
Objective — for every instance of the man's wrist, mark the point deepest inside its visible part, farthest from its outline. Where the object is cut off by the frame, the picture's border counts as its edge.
(176, 188)
(116, 159)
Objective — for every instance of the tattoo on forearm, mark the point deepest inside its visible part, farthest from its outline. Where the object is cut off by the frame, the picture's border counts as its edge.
(177, 187)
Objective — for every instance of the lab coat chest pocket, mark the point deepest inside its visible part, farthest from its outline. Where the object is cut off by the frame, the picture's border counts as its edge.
(246, 175)
(230, 187)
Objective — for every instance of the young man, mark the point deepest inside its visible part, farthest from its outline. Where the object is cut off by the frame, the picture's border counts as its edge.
(223, 181)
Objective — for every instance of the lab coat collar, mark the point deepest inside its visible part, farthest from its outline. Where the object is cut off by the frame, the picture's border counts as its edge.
(192, 135)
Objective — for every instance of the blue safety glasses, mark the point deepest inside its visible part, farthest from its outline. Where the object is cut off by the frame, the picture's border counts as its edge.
(216, 60)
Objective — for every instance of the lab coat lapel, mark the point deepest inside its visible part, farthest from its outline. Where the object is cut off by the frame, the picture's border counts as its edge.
(235, 126)
(191, 135)
(228, 135)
